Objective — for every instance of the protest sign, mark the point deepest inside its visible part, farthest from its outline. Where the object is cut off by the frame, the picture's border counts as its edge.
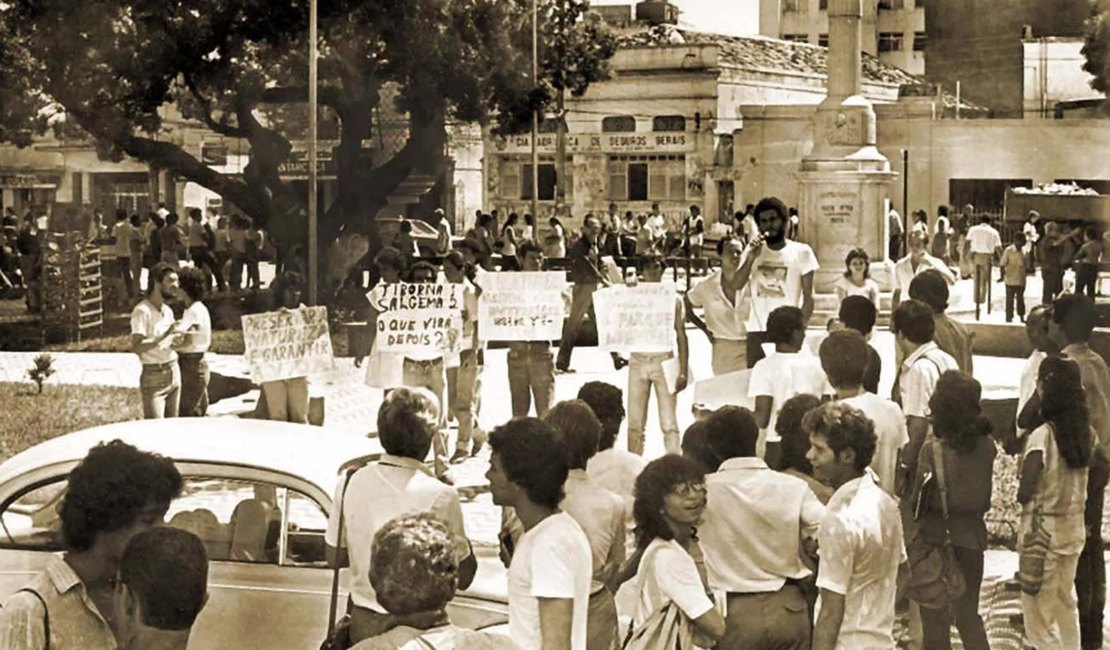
(421, 317)
(525, 306)
(287, 343)
(636, 319)
(723, 390)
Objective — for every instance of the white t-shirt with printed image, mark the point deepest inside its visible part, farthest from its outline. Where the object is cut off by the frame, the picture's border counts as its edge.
(776, 281)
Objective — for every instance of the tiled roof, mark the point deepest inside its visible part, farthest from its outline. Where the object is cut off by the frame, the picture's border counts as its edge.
(772, 54)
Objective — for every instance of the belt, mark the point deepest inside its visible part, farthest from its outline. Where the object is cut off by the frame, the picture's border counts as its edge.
(790, 582)
(160, 366)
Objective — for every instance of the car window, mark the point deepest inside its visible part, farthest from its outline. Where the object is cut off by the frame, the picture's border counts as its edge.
(306, 526)
(237, 520)
(32, 521)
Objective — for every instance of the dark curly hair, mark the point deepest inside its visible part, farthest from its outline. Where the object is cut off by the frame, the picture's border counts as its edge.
(783, 323)
(413, 565)
(578, 429)
(607, 402)
(407, 421)
(843, 427)
(695, 447)
(167, 571)
(795, 441)
(1064, 406)
(913, 319)
(956, 415)
(655, 482)
(857, 254)
(110, 488)
(533, 458)
(194, 282)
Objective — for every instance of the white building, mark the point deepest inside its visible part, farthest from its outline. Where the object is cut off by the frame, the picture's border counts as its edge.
(1053, 73)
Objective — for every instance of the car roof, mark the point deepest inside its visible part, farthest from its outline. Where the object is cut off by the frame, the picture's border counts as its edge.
(315, 454)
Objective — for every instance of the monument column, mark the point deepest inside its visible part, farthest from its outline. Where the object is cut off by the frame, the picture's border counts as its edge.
(844, 181)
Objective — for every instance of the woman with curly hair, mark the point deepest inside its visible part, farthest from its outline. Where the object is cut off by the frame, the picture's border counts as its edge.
(1053, 488)
(670, 502)
(965, 447)
(856, 280)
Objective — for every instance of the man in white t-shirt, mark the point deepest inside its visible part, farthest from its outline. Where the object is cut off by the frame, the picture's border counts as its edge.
(154, 332)
(844, 357)
(396, 484)
(760, 566)
(860, 541)
(790, 371)
(550, 572)
(985, 245)
(913, 327)
(780, 275)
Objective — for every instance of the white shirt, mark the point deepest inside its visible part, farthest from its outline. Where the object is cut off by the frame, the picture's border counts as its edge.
(861, 548)
(890, 430)
(667, 574)
(920, 373)
(600, 513)
(151, 322)
(723, 318)
(1028, 384)
(869, 290)
(983, 238)
(1061, 494)
(776, 280)
(755, 521)
(904, 272)
(616, 470)
(551, 561)
(384, 490)
(784, 375)
(199, 339)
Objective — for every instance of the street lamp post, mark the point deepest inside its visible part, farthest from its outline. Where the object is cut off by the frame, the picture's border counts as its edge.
(535, 113)
(313, 244)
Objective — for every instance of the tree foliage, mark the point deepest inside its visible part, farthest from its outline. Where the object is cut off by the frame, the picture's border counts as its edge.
(1096, 46)
(119, 70)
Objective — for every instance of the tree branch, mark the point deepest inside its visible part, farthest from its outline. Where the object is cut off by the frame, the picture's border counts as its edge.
(221, 127)
(327, 96)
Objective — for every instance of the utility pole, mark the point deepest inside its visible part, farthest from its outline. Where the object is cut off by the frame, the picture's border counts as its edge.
(313, 244)
(535, 113)
(561, 28)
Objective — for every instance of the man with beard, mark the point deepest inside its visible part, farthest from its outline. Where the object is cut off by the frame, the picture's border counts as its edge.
(780, 275)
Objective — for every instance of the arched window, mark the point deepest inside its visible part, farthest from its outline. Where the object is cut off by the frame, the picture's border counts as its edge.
(618, 124)
(668, 123)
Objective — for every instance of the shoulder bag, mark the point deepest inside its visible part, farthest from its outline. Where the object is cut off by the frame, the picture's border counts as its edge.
(339, 632)
(668, 628)
(935, 580)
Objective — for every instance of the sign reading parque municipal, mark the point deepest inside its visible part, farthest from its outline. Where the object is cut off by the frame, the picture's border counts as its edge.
(601, 142)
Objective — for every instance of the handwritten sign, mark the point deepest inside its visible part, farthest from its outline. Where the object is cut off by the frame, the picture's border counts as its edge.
(636, 319)
(526, 306)
(287, 343)
(421, 317)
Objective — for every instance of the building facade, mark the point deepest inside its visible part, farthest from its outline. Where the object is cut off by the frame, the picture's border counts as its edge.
(893, 30)
(1053, 73)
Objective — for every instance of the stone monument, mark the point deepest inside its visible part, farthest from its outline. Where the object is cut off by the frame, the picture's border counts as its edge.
(844, 182)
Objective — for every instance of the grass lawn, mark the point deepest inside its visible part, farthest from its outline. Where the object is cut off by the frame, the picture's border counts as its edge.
(28, 418)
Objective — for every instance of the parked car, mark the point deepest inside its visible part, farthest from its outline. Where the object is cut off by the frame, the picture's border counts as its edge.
(258, 493)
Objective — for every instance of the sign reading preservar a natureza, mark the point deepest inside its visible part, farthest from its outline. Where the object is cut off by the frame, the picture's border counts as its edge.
(636, 319)
(287, 343)
(421, 317)
(525, 306)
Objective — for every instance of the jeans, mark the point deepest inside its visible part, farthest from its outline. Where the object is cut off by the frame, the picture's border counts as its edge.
(1090, 576)
(287, 399)
(1053, 284)
(194, 384)
(203, 259)
(982, 276)
(1015, 296)
(601, 621)
(531, 377)
(1051, 616)
(235, 271)
(464, 387)
(1086, 279)
(429, 374)
(964, 613)
(644, 372)
(160, 387)
(776, 620)
(582, 302)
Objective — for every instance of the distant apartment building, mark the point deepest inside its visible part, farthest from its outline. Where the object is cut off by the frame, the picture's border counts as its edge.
(893, 30)
(1054, 78)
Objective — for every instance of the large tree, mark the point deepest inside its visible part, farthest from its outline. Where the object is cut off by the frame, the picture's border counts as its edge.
(114, 68)
(1096, 46)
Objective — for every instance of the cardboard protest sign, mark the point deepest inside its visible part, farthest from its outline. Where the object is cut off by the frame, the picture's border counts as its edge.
(636, 319)
(287, 343)
(421, 317)
(525, 306)
(723, 390)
